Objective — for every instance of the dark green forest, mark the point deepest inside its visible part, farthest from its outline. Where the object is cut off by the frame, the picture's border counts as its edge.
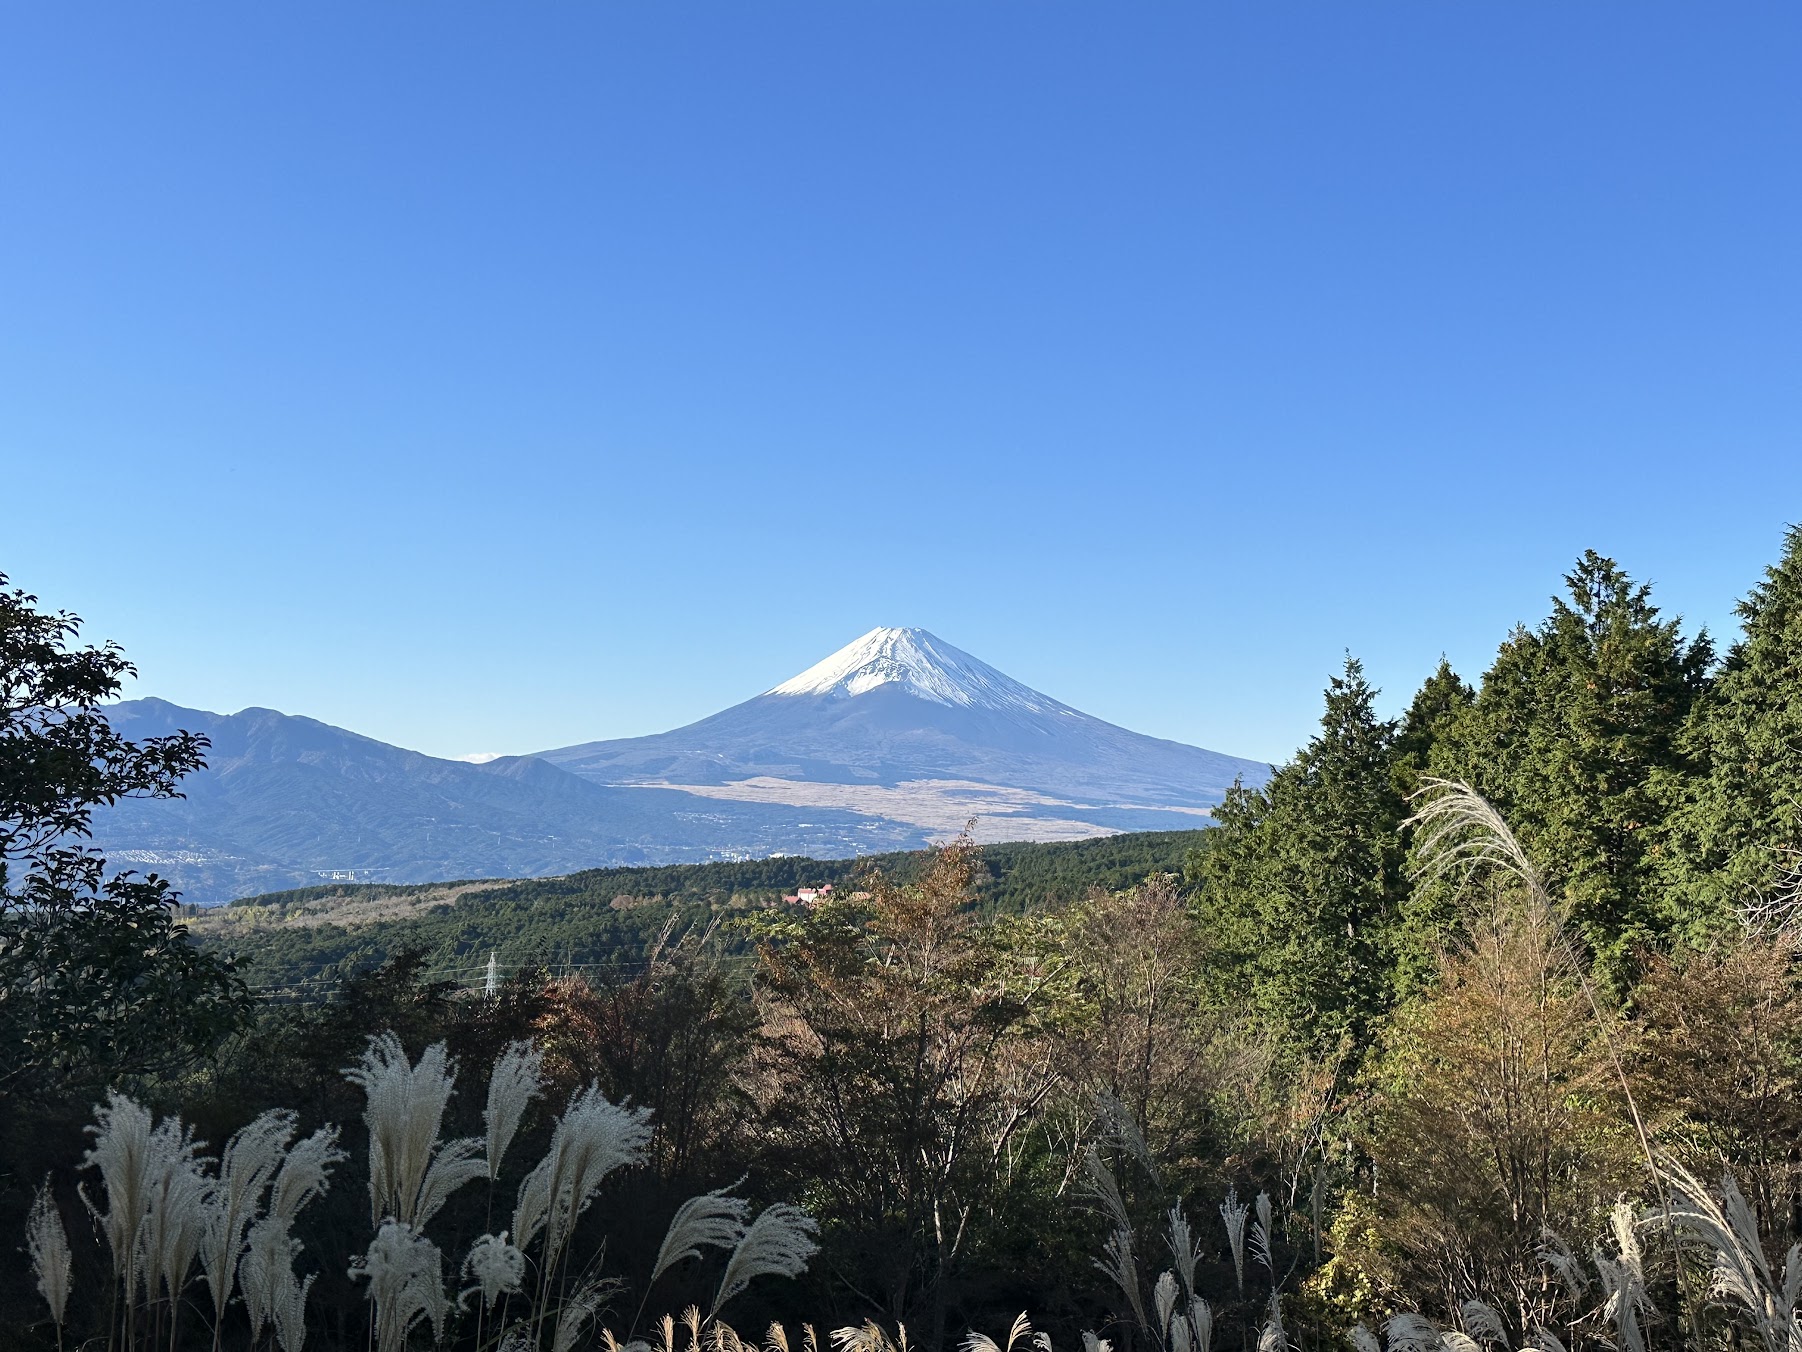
(615, 916)
(1476, 1026)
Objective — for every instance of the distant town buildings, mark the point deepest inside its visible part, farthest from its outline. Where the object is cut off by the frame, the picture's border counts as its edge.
(809, 896)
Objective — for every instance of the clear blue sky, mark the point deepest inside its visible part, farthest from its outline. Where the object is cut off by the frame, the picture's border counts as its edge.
(487, 378)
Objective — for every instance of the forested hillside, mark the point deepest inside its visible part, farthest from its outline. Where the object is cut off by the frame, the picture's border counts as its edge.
(290, 941)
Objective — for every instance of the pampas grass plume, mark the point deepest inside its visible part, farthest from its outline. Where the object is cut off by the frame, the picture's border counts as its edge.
(713, 1220)
(778, 1244)
(411, 1174)
(1201, 1321)
(121, 1152)
(405, 1272)
(513, 1084)
(496, 1265)
(49, 1247)
(1233, 1213)
(246, 1166)
(1409, 1332)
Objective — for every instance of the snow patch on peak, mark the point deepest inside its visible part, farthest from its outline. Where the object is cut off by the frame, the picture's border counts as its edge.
(922, 665)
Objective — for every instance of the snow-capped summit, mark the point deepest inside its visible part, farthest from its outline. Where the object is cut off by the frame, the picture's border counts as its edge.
(904, 714)
(922, 665)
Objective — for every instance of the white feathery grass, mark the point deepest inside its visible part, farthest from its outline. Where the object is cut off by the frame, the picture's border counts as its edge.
(577, 1311)
(411, 1173)
(1124, 1131)
(1458, 830)
(515, 1081)
(1201, 1323)
(246, 1167)
(1483, 1322)
(1741, 1273)
(869, 1337)
(266, 1271)
(1261, 1236)
(1105, 1188)
(175, 1216)
(724, 1338)
(1454, 1341)
(1118, 1262)
(776, 1340)
(777, 1244)
(1364, 1340)
(1042, 1341)
(453, 1164)
(497, 1266)
(1091, 1343)
(1410, 1332)
(1542, 1340)
(981, 1342)
(305, 1173)
(1181, 1340)
(1624, 1282)
(291, 1313)
(122, 1153)
(1164, 1294)
(405, 1272)
(48, 1244)
(1557, 1255)
(1233, 1213)
(1183, 1247)
(714, 1220)
(1274, 1337)
(591, 1140)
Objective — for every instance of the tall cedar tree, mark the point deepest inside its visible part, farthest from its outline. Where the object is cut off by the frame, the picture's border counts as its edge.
(1435, 708)
(96, 977)
(1429, 912)
(1306, 877)
(1571, 737)
(1736, 832)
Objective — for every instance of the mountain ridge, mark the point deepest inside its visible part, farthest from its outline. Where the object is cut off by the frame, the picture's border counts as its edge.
(892, 742)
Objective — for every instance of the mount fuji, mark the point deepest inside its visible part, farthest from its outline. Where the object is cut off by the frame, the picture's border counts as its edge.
(900, 724)
(896, 740)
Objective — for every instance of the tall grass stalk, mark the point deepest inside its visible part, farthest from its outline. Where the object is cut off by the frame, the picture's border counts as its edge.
(51, 1266)
(174, 1219)
(405, 1272)
(1232, 1215)
(122, 1153)
(246, 1167)
(515, 1081)
(777, 1244)
(592, 1139)
(1457, 828)
(411, 1172)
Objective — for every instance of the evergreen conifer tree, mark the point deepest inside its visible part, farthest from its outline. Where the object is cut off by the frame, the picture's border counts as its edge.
(1431, 714)
(1736, 829)
(1571, 737)
(1304, 876)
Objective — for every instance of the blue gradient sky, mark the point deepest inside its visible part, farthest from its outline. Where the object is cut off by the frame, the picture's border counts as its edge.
(487, 379)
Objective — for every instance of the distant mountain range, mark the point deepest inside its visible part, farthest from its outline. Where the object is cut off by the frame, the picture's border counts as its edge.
(893, 741)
